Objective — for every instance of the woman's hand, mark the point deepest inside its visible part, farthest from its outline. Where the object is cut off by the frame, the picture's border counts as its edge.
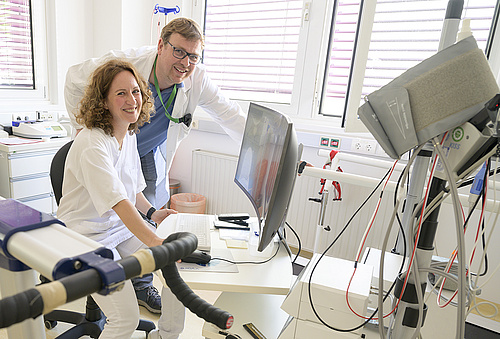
(159, 215)
(157, 241)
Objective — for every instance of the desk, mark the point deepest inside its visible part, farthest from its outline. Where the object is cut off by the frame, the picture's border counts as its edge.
(266, 282)
(273, 277)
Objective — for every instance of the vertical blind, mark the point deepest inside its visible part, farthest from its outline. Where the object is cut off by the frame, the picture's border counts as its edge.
(251, 47)
(16, 51)
(403, 34)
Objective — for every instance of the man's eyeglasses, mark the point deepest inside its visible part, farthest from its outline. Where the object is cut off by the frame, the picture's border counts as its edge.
(181, 54)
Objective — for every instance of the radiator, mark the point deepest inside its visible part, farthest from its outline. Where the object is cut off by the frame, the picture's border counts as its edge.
(213, 177)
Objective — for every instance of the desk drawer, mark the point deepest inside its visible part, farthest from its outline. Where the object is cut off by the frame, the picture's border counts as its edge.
(30, 187)
(29, 164)
(43, 203)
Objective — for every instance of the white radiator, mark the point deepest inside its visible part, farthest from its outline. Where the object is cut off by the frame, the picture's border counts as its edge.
(213, 177)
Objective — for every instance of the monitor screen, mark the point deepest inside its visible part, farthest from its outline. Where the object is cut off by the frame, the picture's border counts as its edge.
(267, 167)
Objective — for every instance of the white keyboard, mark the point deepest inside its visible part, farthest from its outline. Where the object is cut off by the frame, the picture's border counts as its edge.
(199, 225)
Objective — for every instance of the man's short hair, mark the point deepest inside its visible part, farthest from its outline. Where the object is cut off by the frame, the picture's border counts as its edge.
(188, 28)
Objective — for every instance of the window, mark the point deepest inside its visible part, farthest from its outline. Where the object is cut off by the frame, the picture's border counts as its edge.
(16, 60)
(22, 42)
(252, 47)
(403, 34)
(318, 58)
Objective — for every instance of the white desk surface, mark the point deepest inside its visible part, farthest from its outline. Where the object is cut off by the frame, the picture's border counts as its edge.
(262, 310)
(35, 146)
(273, 277)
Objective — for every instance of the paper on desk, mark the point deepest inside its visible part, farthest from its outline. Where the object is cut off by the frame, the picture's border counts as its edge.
(18, 141)
(228, 233)
(232, 243)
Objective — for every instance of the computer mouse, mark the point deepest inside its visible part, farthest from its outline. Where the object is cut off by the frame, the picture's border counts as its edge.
(198, 257)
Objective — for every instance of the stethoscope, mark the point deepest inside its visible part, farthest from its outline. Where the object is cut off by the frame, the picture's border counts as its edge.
(187, 118)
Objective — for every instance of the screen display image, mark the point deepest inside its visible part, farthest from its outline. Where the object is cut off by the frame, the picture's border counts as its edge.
(267, 167)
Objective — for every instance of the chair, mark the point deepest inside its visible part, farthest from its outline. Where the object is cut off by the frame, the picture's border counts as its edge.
(92, 321)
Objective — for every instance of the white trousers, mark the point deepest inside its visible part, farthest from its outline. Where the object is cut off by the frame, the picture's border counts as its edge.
(122, 311)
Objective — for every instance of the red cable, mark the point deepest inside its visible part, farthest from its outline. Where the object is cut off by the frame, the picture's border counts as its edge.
(363, 243)
(455, 252)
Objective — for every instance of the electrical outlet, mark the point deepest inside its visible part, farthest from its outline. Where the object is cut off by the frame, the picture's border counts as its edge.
(369, 146)
(356, 145)
(364, 146)
(44, 115)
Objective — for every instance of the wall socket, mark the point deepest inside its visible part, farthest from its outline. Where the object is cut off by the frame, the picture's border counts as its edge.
(364, 146)
(44, 115)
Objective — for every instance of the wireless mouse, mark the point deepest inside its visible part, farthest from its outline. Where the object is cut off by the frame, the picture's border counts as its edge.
(198, 257)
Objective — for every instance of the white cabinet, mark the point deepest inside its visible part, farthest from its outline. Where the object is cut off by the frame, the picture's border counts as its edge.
(24, 173)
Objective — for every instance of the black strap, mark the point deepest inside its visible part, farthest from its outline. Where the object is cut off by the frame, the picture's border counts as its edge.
(150, 213)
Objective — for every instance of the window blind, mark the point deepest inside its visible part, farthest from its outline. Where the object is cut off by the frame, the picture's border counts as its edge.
(16, 52)
(403, 34)
(251, 47)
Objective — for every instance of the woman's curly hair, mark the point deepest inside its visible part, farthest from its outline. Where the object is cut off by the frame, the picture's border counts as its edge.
(92, 111)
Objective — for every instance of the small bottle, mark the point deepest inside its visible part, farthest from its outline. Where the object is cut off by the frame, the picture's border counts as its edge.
(465, 31)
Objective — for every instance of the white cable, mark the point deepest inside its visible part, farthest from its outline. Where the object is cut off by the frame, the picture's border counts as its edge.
(368, 226)
(488, 316)
(492, 231)
(384, 247)
(474, 166)
(494, 190)
(460, 333)
(491, 276)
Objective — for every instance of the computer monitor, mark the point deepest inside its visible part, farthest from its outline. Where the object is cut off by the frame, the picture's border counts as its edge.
(267, 168)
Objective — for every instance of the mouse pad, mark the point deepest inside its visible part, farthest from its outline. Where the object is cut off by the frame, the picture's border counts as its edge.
(214, 265)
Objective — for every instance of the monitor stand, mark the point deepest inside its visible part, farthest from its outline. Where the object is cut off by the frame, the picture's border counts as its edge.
(283, 241)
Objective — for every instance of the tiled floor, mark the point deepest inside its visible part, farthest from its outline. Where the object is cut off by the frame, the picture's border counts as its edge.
(192, 326)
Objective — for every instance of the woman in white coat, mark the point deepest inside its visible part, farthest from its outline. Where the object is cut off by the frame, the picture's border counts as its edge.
(103, 183)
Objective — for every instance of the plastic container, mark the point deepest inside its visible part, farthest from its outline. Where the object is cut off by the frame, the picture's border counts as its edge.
(174, 188)
(188, 203)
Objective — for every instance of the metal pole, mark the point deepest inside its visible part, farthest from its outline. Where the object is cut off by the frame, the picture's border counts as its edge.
(402, 329)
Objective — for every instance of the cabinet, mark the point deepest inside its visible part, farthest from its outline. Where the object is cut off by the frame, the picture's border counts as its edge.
(24, 173)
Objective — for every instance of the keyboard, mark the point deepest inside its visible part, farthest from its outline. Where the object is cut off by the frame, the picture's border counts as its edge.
(199, 225)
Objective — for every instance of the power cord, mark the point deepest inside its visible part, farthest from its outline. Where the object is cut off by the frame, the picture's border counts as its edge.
(250, 262)
(298, 240)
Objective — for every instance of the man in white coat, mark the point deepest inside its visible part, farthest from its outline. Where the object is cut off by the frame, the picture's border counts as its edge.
(179, 84)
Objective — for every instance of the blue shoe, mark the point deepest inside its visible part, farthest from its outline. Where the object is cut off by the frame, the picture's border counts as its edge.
(150, 299)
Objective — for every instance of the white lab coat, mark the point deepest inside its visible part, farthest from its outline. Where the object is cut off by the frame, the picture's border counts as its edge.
(198, 90)
(94, 162)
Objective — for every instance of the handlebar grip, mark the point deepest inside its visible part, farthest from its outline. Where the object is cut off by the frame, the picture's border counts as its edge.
(19, 307)
(193, 302)
(185, 244)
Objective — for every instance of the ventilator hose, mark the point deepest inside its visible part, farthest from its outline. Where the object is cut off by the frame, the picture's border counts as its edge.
(44, 298)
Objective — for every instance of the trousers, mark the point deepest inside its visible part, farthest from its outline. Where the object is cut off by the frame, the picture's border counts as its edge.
(122, 311)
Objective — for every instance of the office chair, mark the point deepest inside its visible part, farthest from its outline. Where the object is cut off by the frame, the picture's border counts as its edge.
(92, 321)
